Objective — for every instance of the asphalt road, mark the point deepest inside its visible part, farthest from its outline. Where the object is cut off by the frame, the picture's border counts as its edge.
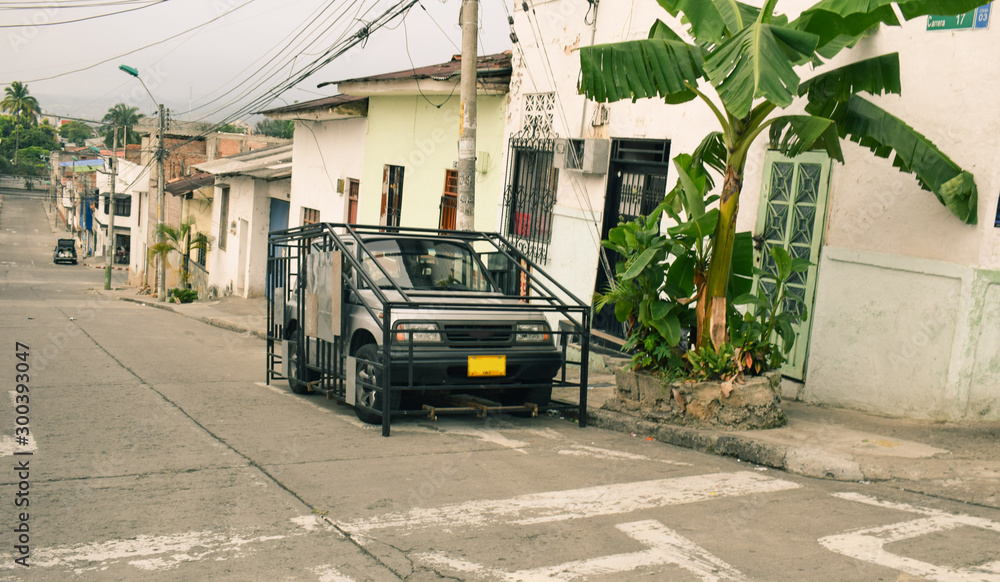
(155, 451)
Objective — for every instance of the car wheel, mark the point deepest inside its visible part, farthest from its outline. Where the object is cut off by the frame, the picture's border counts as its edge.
(367, 401)
(298, 376)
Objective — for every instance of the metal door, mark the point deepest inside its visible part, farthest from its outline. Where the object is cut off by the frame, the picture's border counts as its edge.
(792, 215)
(637, 183)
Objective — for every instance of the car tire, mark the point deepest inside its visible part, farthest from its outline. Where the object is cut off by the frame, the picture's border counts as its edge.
(299, 376)
(368, 402)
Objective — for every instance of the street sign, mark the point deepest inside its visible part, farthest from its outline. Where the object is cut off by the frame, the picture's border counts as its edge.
(978, 18)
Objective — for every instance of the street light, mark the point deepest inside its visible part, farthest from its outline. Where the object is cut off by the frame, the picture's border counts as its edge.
(161, 289)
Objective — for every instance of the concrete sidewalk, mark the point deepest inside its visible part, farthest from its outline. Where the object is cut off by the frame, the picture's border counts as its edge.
(959, 461)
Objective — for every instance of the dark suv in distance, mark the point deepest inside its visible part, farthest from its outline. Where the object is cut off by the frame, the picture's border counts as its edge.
(65, 251)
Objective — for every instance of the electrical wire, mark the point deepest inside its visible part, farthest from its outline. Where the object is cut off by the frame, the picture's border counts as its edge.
(83, 19)
(406, 44)
(574, 180)
(273, 69)
(360, 36)
(152, 44)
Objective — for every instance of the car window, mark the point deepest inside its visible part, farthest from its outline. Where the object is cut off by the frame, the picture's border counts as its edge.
(425, 264)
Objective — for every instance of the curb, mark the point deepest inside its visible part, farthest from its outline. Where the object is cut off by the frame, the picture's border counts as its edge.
(219, 323)
(805, 461)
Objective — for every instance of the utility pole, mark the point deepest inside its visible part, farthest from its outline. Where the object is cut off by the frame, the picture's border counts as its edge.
(467, 111)
(109, 245)
(161, 289)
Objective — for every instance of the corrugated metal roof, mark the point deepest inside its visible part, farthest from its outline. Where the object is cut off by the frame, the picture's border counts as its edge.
(323, 103)
(488, 65)
(190, 183)
(268, 163)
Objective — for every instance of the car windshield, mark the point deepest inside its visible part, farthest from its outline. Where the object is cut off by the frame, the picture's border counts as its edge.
(424, 264)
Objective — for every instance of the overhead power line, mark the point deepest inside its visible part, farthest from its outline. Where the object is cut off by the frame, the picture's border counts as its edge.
(359, 36)
(149, 4)
(152, 44)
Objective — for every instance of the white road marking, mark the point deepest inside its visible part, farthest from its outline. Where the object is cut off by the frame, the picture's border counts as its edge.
(328, 573)
(612, 455)
(151, 553)
(553, 506)
(869, 544)
(664, 546)
(489, 436)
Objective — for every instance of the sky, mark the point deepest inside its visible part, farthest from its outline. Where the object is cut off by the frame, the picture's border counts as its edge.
(246, 49)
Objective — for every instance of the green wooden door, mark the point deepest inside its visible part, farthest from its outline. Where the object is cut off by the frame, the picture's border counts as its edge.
(792, 215)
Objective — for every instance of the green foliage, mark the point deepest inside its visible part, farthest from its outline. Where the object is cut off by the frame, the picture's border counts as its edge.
(183, 295)
(709, 364)
(276, 128)
(18, 103)
(76, 132)
(121, 119)
(765, 333)
(181, 239)
(231, 128)
(661, 278)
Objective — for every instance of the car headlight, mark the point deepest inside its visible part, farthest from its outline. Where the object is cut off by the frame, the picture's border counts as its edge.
(532, 333)
(419, 332)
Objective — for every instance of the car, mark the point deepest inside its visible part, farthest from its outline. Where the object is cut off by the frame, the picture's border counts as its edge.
(65, 251)
(424, 308)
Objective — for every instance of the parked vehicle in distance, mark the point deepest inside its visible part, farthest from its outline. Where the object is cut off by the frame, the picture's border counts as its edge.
(65, 251)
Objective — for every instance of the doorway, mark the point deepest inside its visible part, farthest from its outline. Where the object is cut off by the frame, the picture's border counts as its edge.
(637, 183)
(792, 215)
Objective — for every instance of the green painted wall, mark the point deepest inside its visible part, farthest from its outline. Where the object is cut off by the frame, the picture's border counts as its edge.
(411, 132)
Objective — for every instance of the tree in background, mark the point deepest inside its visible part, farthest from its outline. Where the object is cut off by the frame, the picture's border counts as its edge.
(124, 118)
(742, 66)
(22, 107)
(32, 143)
(276, 128)
(76, 132)
(232, 128)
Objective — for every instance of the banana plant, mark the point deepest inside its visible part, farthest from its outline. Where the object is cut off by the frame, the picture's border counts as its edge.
(747, 56)
(662, 275)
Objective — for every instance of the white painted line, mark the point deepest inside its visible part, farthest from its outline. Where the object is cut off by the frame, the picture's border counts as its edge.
(587, 502)
(152, 553)
(664, 547)
(869, 544)
(328, 573)
(612, 455)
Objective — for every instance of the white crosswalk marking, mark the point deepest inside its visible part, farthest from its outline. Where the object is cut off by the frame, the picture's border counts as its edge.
(869, 544)
(552, 506)
(664, 547)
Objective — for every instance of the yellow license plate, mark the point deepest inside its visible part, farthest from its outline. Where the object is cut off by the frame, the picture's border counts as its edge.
(487, 366)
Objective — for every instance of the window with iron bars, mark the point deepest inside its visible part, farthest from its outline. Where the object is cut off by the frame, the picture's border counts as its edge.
(530, 194)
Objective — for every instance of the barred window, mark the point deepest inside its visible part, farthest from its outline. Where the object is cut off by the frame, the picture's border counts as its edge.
(530, 194)
(309, 216)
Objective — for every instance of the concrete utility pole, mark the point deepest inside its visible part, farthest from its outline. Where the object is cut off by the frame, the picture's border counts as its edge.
(109, 245)
(161, 274)
(467, 111)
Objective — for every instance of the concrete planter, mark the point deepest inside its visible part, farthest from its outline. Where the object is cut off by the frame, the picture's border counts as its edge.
(754, 404)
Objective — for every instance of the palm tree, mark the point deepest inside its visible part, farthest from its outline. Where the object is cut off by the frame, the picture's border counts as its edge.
(124, 117)
(181, 239)
(747, 56)
(22, 106)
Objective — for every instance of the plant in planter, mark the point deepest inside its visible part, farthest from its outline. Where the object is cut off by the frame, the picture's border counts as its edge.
(743, 63)
(658, 290)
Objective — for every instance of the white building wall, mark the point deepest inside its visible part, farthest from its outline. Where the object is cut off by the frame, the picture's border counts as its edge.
(324, 152)
(899, 275)
(249, 219)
